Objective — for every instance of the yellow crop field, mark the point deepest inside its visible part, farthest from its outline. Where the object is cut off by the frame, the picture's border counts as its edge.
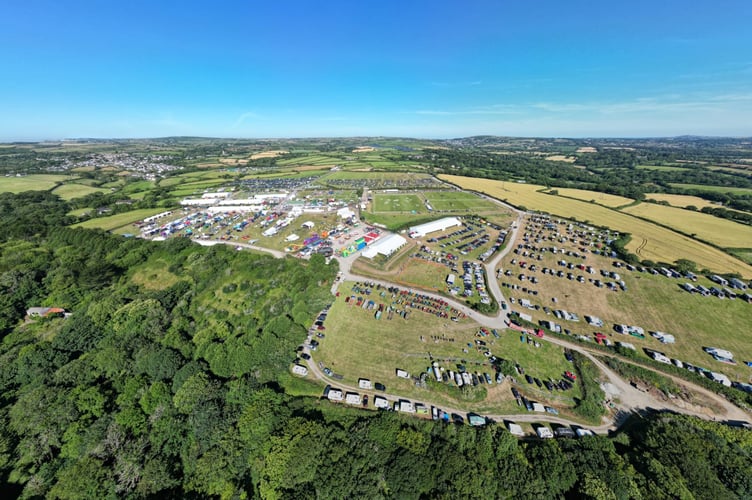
(722, 232)
(649, 241)
(609, 200)
(681, 200)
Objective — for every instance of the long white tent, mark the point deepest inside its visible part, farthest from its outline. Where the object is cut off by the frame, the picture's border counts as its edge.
(385, 246)
(430, 227)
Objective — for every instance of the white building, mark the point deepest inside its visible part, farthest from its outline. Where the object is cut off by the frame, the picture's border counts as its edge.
(385, 246)
(235, 208)
(198, 202)
(432, 227)
(345, 213)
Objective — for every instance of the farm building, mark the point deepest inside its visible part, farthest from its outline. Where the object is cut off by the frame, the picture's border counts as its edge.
(431, 227)
(197, 202)
(223, 194)
(386, 246)
(234, 208)
(300, 370)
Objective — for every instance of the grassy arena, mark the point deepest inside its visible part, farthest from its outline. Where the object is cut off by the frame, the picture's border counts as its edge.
(398, 203)
(649, 241)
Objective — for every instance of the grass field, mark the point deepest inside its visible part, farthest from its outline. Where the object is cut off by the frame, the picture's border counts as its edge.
(376, 176)
(119, 220)
(70, 191)
(665, 168)
(722, 232)
(652, 302)
(359, 346)
(681, 200)
(453, 201)
(714, 189)
(36, 182)
(649, 241)
(608, 200)
(398, 203)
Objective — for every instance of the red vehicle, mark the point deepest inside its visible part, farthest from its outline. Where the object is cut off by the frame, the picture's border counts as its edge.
(599, 337)
(539, 333)
(571, 376)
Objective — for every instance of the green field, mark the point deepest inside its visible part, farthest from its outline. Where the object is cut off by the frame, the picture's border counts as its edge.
(36, 182)
(652, 302)
(665, 168)
(70, 191)
(119, 220)
(376, 176)
(398, 203)
(359, 346)
(457, 201)
(714, 189)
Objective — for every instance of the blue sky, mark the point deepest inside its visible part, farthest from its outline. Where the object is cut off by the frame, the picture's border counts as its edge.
(413, 68)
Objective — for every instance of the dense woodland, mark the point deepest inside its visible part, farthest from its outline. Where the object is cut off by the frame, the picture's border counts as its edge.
(170, 379)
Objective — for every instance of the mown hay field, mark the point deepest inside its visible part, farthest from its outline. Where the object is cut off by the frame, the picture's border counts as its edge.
(609, 200)
(721, 232)
(70, 191)
(714, 189)
(36, 182)
(649, 241)
(681, 200)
